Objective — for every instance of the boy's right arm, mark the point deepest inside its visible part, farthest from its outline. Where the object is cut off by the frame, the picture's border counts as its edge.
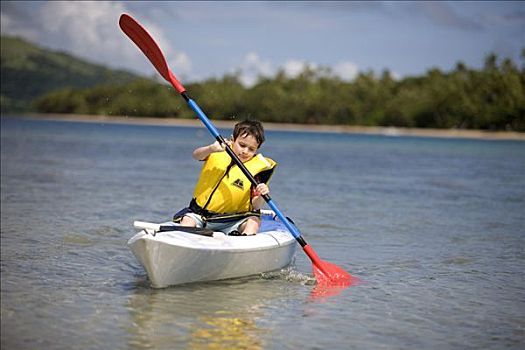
(203, 152)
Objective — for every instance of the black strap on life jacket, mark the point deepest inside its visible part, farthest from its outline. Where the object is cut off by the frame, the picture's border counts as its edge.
(194, 230)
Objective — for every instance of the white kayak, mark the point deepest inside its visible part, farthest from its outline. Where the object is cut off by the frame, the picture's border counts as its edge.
(172, 256)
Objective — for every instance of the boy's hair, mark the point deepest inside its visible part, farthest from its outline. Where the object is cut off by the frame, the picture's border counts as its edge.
(249, 127)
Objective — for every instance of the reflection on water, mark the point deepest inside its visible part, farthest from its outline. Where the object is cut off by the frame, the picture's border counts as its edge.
(322, 292)
(231, 314)
(228, 314)
(226, 331)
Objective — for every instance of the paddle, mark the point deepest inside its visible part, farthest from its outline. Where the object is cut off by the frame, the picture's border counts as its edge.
(327, 274)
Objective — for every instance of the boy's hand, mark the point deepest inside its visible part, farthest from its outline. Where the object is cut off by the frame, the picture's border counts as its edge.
(203, 152)
(217, 147)
(261, 189)
(257, 193)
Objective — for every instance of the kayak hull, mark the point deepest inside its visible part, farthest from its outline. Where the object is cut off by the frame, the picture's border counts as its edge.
(176, 257)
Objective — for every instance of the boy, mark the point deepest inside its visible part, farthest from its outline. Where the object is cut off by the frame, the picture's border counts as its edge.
(224, 199)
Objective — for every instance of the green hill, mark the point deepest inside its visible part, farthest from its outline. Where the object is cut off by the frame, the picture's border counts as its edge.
(29, 71)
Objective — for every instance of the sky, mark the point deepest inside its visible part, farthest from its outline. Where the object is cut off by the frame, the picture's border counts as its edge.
(210, 39)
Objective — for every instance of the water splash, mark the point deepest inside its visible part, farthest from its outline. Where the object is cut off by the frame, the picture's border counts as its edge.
(289, 274)
(321, 290)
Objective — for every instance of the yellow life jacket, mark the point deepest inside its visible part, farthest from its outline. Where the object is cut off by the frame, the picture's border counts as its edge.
(223, 188)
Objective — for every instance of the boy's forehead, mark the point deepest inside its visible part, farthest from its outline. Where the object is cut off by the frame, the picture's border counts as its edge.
(246, 137)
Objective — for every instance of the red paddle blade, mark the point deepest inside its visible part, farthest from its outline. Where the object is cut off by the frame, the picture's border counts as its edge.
(328, 274)
(331, 275)
(145, 42)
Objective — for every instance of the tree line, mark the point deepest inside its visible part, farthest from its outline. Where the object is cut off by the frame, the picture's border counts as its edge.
(490, 98)
(29, 71)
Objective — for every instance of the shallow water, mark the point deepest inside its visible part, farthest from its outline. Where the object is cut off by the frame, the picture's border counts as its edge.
(433, 227)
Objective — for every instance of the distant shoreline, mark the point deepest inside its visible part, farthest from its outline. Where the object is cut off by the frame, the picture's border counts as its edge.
(345, 129)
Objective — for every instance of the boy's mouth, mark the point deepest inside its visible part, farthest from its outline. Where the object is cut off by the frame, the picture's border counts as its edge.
(243, 158)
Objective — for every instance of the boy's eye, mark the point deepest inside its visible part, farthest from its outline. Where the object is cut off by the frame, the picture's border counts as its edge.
(251, 149)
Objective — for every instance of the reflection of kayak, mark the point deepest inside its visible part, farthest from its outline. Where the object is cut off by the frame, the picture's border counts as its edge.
(172, 256)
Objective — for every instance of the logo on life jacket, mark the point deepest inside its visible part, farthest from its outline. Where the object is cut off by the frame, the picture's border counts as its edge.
(238, 183)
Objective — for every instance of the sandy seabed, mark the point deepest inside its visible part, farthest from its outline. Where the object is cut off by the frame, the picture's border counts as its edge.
(371, 130)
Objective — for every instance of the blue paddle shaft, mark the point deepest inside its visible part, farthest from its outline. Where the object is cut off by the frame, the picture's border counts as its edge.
(211, 128)
(293, 230)
(203, 117)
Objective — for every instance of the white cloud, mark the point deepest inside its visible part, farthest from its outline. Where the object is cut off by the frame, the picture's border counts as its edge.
(89, 29)
(292, 68)
(395, 75)
(346, 70)
(252, 67)
(180, 64)
(16, 22)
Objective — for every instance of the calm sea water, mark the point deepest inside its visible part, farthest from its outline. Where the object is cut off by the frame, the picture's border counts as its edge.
(434, 227)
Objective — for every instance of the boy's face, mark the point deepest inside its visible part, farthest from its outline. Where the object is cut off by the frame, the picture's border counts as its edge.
(245, 146)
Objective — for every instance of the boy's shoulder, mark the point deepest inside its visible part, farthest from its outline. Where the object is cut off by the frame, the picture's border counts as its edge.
(269, 162)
